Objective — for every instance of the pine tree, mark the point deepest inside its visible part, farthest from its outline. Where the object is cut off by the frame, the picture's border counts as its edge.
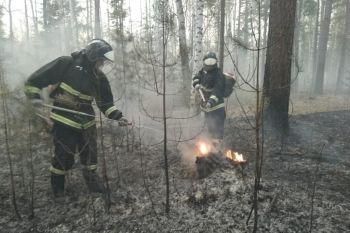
(1, 23)
(277, 78)
(322, 52)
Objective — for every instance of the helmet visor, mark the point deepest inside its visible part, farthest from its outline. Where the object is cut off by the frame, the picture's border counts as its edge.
(109, 56)
(210, 61)
(107, 67)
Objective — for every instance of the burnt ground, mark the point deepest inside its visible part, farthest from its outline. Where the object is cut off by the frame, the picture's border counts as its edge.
(311, 165)
(306, 179)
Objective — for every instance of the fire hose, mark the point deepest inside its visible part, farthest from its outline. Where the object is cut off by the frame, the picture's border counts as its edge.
(86, 114)
(121, 123)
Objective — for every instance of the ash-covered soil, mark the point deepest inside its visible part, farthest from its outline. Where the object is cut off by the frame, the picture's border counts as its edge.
(305, 183)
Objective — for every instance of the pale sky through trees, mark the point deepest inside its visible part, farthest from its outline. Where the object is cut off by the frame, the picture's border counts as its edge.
(19, 20)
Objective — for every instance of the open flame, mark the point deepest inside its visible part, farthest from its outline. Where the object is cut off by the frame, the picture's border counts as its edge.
(203, 148)
(235, 156)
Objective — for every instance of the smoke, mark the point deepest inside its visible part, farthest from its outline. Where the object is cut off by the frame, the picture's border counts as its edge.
(136, 85)
(190, 150)
(21, 59)
(133, 88)
(188, 156)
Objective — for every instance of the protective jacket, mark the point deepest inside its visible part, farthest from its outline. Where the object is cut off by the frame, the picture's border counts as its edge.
(78, 84)
(213, 86)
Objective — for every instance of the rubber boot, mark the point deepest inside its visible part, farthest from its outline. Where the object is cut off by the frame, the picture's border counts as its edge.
(218, 145)
(57, 184)
(221, 146)
(93, 182)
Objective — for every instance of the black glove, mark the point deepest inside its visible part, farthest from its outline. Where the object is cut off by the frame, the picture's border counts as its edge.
(195, 81)
(116, 115)
(209, 103)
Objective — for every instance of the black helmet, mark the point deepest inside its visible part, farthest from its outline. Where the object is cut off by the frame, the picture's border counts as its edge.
(210, 61)
(97, 49)
(210, 55)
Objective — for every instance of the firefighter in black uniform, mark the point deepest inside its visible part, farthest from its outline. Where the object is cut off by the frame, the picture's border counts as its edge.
(79, 81)
(209, 82)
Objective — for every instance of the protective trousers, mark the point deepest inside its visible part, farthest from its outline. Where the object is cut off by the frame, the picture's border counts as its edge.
(68, 142)
(215, 121)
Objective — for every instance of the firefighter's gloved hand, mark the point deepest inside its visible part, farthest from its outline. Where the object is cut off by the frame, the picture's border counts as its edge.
(36, 102)
(195, 81)
(123, 122)
(115, 115)
(197, 87)
(209, 104)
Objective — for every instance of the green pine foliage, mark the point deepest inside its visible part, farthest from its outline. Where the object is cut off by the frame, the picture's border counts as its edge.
(57, 11)
(118, 13)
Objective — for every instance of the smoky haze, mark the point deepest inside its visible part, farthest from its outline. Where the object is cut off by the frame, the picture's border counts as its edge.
(138, 102)
(134, 86)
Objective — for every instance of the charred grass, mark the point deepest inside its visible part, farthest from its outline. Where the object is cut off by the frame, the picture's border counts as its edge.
(305, 175)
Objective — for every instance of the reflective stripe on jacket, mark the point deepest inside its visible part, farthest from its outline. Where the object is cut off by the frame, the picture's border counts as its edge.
(213, 87)
(78, 85)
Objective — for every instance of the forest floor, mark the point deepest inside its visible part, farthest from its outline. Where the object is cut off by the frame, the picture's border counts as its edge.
(305, 184)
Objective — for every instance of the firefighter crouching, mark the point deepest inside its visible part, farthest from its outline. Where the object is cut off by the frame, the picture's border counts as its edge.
(79, 81)
(209, 82)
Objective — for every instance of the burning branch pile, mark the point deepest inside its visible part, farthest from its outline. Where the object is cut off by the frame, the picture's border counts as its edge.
(208, 159)
(235, 158)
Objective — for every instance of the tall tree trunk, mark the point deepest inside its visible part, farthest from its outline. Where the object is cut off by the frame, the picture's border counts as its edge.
(216, 27)
(278, 63)
(198, 46)
(73, 24)
(297, 44)
(97, 19)
(345, 44)
(121, 22)
(26, 19)
(88, 17)
(45, 14)
(109, 19)
(62, 27)
(120, 34)
(1, 23)
(4, 95)
(334, 44)
(222, 35)
(193, 26)
(35, 19)
(239, 19)
(265, 19)
(264, 39)
(234, 13)
(315, 46)
(185, 67)
(246, 23)
(157, 44)
(146, 18)
(10, 20)
(165, 142)
(321, 61)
